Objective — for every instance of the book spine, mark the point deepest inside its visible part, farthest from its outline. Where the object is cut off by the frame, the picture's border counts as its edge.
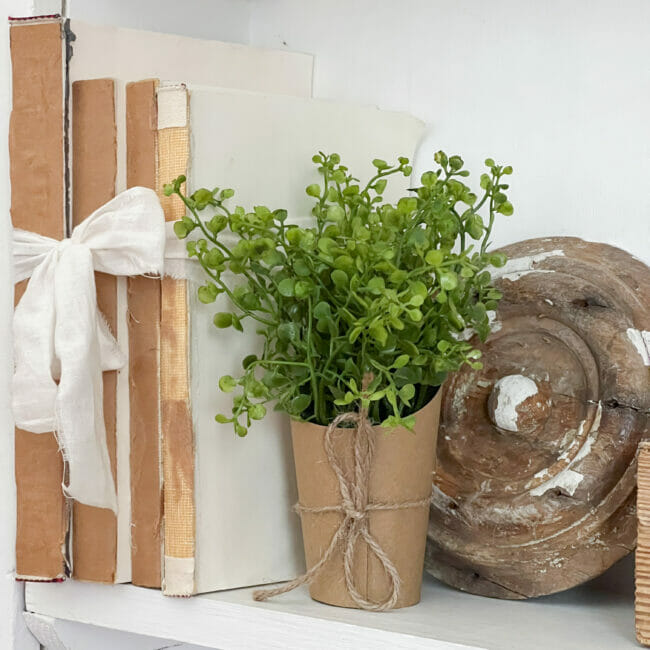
(94, 170)
(176, 414)
(144, 354)
(37, 174)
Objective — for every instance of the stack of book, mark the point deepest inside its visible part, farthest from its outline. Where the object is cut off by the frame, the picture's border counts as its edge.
(97, 110)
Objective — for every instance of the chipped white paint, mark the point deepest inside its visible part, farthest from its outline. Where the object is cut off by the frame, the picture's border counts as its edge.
(568, 479)
(513, 390)
(641, 341)
(519, 266)
(549, 301)
(495, 323)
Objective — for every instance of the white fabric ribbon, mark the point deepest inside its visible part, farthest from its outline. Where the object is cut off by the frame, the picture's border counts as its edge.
(61, 341)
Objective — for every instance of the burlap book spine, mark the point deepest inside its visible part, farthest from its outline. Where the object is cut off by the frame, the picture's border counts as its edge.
(176, 415)
(642, 570)
(144, 354)
(94, 170)
(37, 174)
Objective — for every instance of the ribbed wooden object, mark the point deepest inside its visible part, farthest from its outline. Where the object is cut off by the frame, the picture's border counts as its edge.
(544, 499)
(642, 571)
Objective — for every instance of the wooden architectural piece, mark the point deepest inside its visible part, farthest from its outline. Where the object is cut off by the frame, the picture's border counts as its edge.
(534, 490)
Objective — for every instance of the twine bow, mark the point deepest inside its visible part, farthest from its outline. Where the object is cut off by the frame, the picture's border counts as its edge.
(355, 507)
(61, 341)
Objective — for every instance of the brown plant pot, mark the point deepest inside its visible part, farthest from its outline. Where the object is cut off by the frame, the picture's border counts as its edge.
(401, 471)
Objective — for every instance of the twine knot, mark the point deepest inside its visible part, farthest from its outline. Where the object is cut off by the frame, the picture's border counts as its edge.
(355, 508)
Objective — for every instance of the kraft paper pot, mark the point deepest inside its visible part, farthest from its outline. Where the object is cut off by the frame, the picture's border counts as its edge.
(401, 471)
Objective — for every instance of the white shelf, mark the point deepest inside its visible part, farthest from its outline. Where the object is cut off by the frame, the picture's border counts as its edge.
(586, 617)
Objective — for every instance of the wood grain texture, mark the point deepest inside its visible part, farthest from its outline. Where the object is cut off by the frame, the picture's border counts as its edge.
(94, 169)
(642, 567)
(37, 167)
(144, 353)
(541, 497)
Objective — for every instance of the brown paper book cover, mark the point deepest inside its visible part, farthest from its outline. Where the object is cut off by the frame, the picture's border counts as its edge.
(37, 173)
(144, 354)
(94, 169)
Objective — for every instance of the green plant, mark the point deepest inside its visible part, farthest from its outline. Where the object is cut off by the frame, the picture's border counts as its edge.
(368, 289)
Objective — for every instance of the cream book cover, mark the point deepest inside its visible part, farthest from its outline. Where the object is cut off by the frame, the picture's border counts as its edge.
(244, 530)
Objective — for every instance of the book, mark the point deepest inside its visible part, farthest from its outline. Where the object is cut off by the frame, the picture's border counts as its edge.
(94, 551)
(135, 54)
(38, 203)
(228, 518)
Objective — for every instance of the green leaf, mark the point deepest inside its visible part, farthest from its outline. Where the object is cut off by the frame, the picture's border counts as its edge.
(455, 162)
(214, 259)
(335, 213)
(506, 209)
(249, 361)
(339, 278)
(322, 310)
(256, 411)
(300, 403)
(222, 419)
(401, 361)
(376, 285)
(223, 319)
(379, 333)
(434, 257)
(354, 334)
(313, 190)
(208, 293)
(428, 179)
(180, 230)
(227, 384)
(236, 323)
(303, 288)
(287, 287)
(288, 332)
(498, 259)
(217, 224)
(448, 280)
(379, 163)
(407, 392)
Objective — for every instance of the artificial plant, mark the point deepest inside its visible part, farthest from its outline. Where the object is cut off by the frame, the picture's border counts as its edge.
(368, 289)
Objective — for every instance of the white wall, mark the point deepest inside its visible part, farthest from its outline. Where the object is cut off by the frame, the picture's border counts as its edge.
(560, 90)
(221, 20)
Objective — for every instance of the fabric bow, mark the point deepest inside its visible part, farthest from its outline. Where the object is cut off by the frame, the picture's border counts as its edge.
(61, 340)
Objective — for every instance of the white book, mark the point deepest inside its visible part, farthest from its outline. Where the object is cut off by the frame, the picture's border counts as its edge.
(260, 145)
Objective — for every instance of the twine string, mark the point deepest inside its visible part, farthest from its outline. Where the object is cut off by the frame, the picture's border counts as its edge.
(355, 507)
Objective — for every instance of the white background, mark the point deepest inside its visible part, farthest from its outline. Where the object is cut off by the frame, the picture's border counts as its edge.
(560, 90)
